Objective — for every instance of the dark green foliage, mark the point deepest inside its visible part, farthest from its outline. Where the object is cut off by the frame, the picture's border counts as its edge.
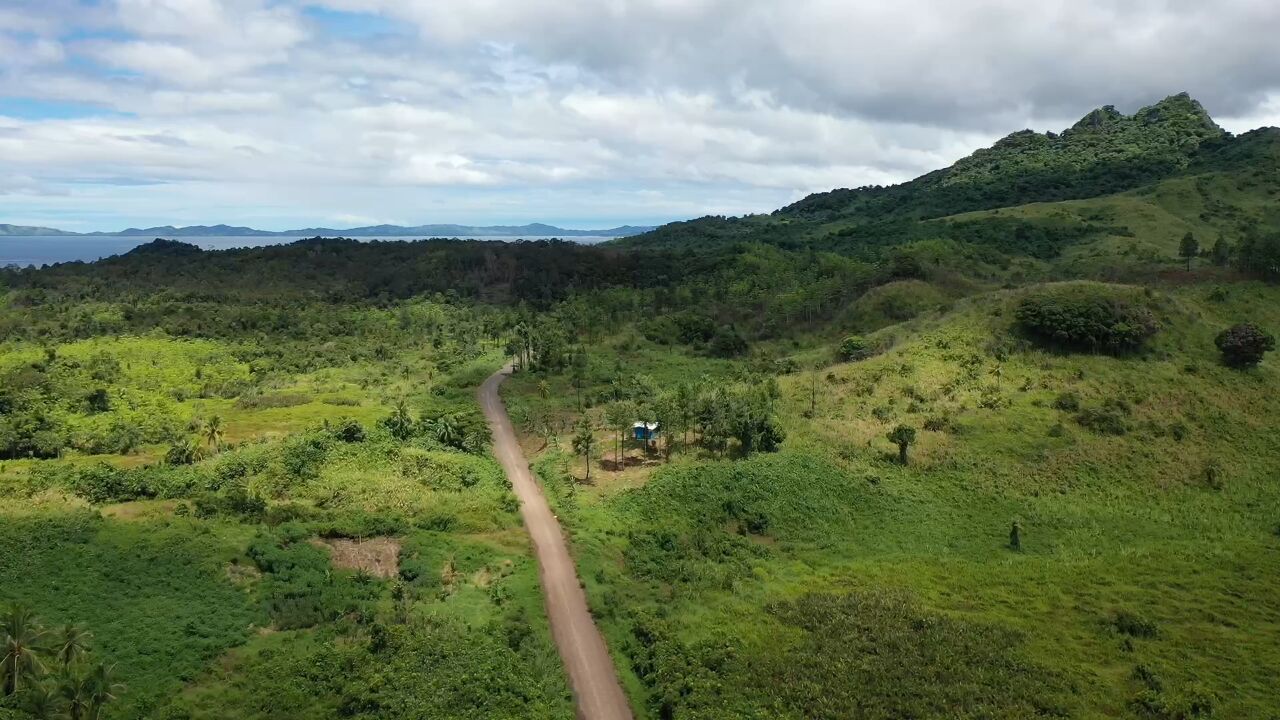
(1221, 253)
(1133, 624)
(299, 588)
(924, 665)
(1086, 316)
(432, 668)
(1260, 255)
(302, 456)
(256, 401)
(1067, 401)
(854, 347)
(155, 596)
(1243, 345)
(1188, 248)
(1109, 418)
(727, 343)
(902, 436)
(348, 430)
(183, 452)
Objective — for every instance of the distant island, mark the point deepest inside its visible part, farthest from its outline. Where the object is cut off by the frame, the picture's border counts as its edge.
(445, 230)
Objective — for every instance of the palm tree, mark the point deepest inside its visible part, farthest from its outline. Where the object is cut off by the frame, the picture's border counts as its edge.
(213, 431)
(76, 688)
(401, 422)
(102, 688)
(70, 643)
(544, 389)
(23, 646)
(42, 702)
(447, 430)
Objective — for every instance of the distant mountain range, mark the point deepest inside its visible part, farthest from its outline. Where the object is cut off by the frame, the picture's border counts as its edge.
(169, 231)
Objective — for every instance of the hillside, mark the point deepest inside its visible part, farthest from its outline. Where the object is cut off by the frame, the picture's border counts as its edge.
(1104, 154)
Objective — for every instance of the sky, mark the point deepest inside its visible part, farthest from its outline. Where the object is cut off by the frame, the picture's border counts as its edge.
(583, 113)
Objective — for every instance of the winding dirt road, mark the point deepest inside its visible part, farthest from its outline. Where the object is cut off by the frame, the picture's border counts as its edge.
(595, 684)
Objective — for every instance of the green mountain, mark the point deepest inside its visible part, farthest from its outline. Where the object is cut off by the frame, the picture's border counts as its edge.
(1103, 154)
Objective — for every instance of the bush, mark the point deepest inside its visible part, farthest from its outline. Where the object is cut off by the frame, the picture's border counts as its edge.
(1133, 625)
(183, 452)
(1111, 418)
(1086, 316)
(854, 347)
(1067, 401)
(348, 430)
(1244, 344)
(271, 400)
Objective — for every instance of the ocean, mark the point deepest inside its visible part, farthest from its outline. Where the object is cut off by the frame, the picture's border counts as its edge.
(47, 250)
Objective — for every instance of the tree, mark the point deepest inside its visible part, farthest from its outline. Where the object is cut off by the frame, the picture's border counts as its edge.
(1243, 345)
(902, 436)
(213, 432)
(183, 452)
(1189, 248)
(42, 701)
(446, 429)
(666, 411)
(400, 422)
(1221, 253)
(584, 441)
(24, 644)
(620, 416)
(70, 643)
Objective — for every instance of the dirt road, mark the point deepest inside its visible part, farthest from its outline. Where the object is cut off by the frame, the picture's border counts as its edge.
(595, 684)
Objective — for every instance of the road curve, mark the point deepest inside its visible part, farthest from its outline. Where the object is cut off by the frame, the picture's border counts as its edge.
(595, 684)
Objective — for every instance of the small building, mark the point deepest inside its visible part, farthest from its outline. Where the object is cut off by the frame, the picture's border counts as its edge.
(645, 431)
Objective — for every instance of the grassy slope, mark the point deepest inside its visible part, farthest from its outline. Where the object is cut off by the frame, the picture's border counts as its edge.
(1111, 524)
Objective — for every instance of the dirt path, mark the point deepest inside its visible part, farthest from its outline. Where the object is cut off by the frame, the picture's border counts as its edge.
(595, 684)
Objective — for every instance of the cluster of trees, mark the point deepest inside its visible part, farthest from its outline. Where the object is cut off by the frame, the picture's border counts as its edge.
(738, 416)
(461, 429)
(51, 673)
(53, 403)
(1086, 316)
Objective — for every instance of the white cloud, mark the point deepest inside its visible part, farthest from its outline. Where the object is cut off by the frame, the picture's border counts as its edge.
(627, 110)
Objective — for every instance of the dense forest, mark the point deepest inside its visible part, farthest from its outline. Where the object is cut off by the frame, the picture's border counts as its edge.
(994, 443)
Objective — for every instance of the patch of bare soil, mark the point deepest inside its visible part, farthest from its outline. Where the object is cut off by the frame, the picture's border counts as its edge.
(378, 556)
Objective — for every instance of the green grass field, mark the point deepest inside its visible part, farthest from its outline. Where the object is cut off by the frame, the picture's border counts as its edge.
(764, 587)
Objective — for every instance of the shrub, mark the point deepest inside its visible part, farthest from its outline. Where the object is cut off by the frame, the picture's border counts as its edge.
(854, 347)
(1067, 401)
(183, 452)
(1133, 624)
(271, 400)
(1244, 344)
(1088, 317)
(348, 430)
(1110, 418)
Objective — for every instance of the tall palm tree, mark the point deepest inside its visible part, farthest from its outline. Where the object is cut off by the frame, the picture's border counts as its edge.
(70, 643)
(23, 645)
(213, 431)
(102, 688)
(76, 688)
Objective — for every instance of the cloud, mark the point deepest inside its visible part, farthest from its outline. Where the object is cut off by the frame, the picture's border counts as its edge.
(287, 112)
